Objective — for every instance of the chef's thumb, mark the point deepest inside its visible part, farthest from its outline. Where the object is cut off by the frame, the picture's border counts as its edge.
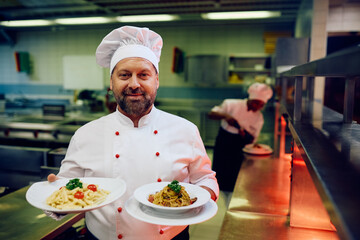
(52, 177)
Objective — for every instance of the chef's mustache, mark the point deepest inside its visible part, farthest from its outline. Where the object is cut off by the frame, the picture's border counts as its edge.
(132, 91)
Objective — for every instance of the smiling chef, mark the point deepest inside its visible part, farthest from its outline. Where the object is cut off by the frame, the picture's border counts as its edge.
(138, 143)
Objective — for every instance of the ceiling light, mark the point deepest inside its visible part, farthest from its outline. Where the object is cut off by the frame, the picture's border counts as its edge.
(26, 23)
(84, 20)
(240, 15)
(147, 18)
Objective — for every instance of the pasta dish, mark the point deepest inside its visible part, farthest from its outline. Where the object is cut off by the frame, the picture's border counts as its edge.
(76, 195)
(172, 195)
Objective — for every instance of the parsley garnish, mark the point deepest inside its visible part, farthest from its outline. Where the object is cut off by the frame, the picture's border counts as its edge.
(74, 183)
(174, 185)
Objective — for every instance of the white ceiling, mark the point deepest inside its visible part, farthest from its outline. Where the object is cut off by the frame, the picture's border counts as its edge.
(48, 9)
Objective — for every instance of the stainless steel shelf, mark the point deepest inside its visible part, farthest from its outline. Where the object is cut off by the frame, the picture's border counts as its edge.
(340, 64)
(329, 142)
(334, 171)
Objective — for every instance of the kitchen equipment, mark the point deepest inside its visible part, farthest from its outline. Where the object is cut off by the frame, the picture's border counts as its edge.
(206, 69)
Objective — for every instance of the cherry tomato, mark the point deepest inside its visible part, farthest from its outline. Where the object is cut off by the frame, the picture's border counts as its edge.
(192, 200)
(79, 195)
(92, 187)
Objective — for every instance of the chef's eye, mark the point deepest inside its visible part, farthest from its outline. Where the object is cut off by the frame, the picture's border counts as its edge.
(144, 76)
(124, 75)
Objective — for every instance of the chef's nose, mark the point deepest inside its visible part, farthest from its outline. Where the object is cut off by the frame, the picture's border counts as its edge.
(134, 82)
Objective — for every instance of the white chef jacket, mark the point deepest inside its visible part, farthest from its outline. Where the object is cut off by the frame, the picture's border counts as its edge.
(164, 147)
(249, 120)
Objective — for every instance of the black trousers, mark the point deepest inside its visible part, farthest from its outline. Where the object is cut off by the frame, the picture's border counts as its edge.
(184, 235)
(228, 157)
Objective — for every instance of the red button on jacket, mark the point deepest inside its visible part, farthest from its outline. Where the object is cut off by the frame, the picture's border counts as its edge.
(119, 209)
(120, 236)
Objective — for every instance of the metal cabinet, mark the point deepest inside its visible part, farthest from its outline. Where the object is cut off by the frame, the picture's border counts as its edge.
(20, 166)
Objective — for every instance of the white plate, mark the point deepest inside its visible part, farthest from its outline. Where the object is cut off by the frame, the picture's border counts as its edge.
(257, 149)
(152, 215)
(37, 194)
(142, 193)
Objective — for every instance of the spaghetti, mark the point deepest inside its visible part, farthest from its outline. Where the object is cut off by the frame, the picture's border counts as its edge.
(172, 195)
(80, 195)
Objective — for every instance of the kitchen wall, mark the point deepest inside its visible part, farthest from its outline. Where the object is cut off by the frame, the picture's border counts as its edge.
(48, 47)
(344, 17)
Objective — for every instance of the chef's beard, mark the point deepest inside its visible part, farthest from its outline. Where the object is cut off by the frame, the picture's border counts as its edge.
(135, 107)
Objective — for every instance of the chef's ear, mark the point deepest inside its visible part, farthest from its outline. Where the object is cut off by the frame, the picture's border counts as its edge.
(111, 87)
(157, 81)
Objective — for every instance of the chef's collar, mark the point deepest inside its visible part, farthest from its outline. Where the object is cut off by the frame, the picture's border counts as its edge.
(144, 120)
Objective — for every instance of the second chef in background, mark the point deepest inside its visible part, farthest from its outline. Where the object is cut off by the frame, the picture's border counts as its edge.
(241, 124)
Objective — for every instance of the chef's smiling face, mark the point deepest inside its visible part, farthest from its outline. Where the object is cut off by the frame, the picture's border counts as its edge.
(134, 83)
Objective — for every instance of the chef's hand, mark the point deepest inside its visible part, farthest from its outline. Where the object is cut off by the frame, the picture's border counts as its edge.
(256, 145)
(212, 194)
(55, 216)
(52, 178)
(242, 132)
(232, 122)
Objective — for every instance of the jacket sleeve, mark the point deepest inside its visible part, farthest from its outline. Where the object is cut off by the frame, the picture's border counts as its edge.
(222, 108)
(200, 170)
(69, 166)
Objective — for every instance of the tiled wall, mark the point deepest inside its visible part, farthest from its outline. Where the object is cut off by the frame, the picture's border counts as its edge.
(46, 51)
(47, 48)
(319, 43)
(344, 18)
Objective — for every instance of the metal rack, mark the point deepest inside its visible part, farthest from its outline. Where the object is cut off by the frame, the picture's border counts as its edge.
(329, 142)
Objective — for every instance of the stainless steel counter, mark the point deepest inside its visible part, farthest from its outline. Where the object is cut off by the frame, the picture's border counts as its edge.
(254, 226)
(263, 186)
(26, 143)
(20, 220)
(38, 128)
(259, 208)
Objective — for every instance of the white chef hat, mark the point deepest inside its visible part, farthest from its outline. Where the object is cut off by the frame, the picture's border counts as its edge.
(128, 41)
(260, 91)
